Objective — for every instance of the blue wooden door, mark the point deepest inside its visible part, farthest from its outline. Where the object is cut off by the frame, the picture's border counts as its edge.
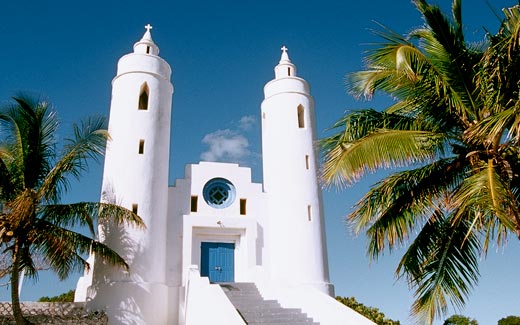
(217, 261)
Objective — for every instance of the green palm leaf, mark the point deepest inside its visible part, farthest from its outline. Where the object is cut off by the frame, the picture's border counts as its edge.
(397, 205)
(89, 142)
(441, 264)
(456, 121)
(372, 140)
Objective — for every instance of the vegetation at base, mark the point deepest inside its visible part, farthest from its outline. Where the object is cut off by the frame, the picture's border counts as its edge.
(452, 136)
(509, 320)
(371, 313)
(459, 320)
(64, 297)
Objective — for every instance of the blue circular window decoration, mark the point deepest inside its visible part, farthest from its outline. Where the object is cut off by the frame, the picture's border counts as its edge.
(219, 193)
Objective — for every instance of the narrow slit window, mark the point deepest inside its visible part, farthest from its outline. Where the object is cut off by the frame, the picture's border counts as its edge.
(144, 94)
(194, 203)
(301, 117)
(134, 208)
(141, 146)
(289, 71)
(307, 162)
(309, 213)
(243, 204)
(147, 50)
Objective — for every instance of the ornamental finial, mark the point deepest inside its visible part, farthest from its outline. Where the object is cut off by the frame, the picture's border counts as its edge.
(285, 55)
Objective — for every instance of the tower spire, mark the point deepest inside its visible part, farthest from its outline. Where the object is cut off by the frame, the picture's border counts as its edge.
(146, 45)
(147, 35)
(285, 55)
(285, 68)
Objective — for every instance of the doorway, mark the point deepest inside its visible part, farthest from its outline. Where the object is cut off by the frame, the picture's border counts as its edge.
(217, 261)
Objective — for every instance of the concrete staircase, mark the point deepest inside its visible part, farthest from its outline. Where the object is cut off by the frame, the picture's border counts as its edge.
(254, 309)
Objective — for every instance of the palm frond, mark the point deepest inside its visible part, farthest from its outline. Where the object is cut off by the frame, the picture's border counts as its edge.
(27, 264)
(393, 66)
(442, 265)
(71, 215)
(118, 215)
(64, 249)
(494, 127)
(88, 214)
(89, 142)
(487, 200)
(396, 206)
(348, 162)
(367, 133)
(12, 151)
(37, 125)
(7, 181)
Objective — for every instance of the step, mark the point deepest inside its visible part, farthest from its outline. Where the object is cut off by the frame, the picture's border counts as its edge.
(285, 323)
(254, 309)
(279, 311)
(245, 296)
(278, 318)
(272, 304)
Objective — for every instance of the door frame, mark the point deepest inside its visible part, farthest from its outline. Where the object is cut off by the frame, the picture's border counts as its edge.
(240, 231)
(216, 237)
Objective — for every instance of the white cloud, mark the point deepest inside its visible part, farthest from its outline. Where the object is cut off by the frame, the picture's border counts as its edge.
(246, 122)
(225, 146)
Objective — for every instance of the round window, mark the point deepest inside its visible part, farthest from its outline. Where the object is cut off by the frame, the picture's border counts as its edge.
(219, 193)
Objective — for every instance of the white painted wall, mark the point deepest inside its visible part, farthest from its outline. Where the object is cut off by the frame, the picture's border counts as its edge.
(296, 239)
(188, 229)
(131, 178)
(207, 304)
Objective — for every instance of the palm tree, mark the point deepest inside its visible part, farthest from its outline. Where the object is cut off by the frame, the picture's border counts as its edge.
(33, 178)
(453, 134)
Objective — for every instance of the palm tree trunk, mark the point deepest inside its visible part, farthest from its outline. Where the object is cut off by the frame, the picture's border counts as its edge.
(15, 279)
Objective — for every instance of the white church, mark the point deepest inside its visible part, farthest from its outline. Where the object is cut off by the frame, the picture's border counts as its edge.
(218, 248)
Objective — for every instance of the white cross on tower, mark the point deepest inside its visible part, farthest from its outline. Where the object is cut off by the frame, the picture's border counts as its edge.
(284, 49)
(148, 27)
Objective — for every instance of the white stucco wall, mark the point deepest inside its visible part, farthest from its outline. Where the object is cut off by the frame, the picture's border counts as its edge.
(141, 179)
(296, 240)
(207, 304)
(209, 224)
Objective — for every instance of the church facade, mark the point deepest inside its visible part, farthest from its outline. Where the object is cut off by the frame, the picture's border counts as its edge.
(214, 225)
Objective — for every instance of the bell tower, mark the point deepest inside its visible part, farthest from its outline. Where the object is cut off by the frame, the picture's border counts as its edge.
(136, 177)
(296, 238)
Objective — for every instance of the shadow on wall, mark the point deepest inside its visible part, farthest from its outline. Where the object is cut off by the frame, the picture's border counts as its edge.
(114, 290)
(259, 244)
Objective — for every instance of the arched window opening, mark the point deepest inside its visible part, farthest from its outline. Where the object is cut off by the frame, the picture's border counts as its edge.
(289, 71)
(301, 117)
(143, 97)
(309, 213)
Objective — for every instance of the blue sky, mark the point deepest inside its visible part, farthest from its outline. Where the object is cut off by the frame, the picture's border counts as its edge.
(222, 53)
